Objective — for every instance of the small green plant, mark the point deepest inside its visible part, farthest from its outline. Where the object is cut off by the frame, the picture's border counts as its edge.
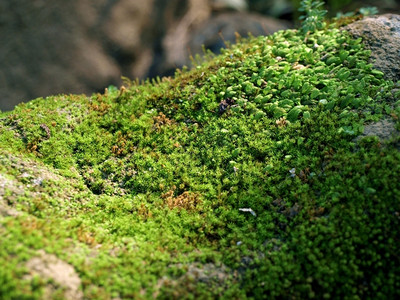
(313, 18)
(363, 11)
(368, 11)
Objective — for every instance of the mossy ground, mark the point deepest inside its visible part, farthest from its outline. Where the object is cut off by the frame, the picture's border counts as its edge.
(240, 178)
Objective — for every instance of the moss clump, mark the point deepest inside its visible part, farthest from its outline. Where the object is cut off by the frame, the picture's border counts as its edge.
(239, 178)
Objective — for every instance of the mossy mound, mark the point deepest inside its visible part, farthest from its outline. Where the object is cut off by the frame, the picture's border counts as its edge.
(241, 178)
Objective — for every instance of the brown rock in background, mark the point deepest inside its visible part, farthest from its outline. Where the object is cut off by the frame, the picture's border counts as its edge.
(212, 32)
(47, 48)
(52, 47)
(126, 28)
(224, 26)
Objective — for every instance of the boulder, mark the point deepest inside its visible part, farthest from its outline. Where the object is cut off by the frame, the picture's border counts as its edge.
(381, 34)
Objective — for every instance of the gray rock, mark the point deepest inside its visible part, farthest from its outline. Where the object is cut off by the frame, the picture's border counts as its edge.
(49, 267)
(384, 130)
(381, 34)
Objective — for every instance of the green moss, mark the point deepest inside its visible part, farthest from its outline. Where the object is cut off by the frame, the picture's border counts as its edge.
(140, 188)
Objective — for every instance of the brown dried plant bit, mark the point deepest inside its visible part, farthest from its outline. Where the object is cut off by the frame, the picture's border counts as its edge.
(32, 147)
(187, 200)
(303, 174)
(102, 107)
(86, 236)
(316, 212)
(117, 150)
(114, 149)
(122, 91)
(281, 122)
(161, 120)
(144, 212)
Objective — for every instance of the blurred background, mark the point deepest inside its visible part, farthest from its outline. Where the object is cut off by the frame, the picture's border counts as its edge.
(83, 46)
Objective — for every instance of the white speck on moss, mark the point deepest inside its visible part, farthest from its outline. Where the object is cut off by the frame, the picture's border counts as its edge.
(248, 210)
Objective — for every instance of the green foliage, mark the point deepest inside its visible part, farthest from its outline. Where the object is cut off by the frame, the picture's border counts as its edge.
(313, 18)
(368, 11)
(241, 178)
(363, 11)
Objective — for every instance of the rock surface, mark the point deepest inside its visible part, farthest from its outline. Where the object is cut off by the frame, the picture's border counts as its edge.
(49, 267)
(381, 34)
(383, 129)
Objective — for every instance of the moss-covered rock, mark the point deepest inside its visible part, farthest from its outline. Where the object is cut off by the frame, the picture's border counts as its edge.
(241, 178)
